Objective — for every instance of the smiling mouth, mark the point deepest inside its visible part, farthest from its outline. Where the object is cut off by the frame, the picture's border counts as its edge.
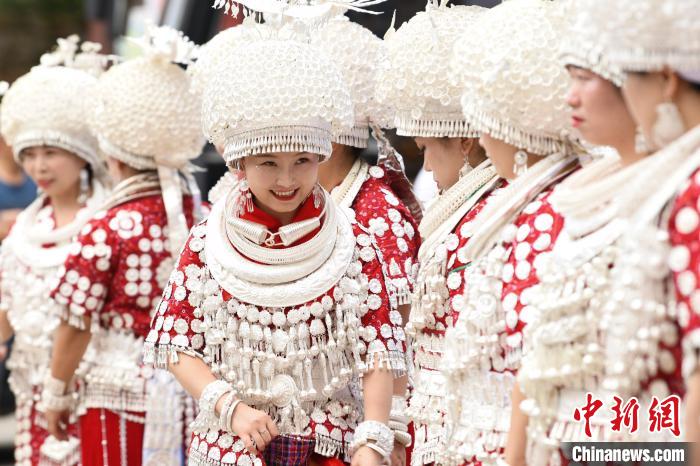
(284, 195)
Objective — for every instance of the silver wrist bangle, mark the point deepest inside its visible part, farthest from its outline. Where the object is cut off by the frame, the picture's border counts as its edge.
(229, 398)
(402, 438)
(375, 435)
(229, 415)
(210, 396)
(398, 426)
(55, 396)
(375, 447)
(398, 421)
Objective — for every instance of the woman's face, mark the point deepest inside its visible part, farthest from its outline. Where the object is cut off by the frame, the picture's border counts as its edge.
(643, 92)
(443, 157)
(55, 171)
(281, 181)
(598, 110)
(500, 153)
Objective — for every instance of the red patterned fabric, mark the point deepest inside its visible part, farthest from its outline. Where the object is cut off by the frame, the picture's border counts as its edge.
(116, 272)
(123, 439)
(679, 342)
(394, 229)
(114, 275)
(289, 451)
(538, 228)
(684, 260)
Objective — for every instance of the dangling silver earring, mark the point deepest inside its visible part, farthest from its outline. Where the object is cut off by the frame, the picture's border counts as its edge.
(520, 163)
(668, 125)
(246, 201)
(466, 168)
(84, 186)
(641, 146)
(318, 195)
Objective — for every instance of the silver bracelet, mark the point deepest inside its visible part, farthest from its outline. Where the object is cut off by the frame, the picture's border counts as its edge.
(210, 396)
(398, 426)
(398, 421)
(375, 447)
(375, 435)
(403, 438)
(229, 398)
(229, 415)
(55, 396)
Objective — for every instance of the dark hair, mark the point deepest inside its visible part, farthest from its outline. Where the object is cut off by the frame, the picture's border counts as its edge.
(480, 150)
(695, 86)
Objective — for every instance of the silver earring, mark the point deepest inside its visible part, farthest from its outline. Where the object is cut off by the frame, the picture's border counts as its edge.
(668, 125)
(84, 186)
(520, 163)
(641, 146)
(466, 168)
(246, 197)
(318, 195)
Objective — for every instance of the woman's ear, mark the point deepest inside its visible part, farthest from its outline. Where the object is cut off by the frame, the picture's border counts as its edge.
(671, 83)
(467, 145)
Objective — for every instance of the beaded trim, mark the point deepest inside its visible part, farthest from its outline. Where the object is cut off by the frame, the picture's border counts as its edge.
(499, 128)
(283, 138)
(451, 200)
(594, 61)
(115, 379)
(434, 125)
(345, 193)
(639, 59)
(71, 143)
(357, 136)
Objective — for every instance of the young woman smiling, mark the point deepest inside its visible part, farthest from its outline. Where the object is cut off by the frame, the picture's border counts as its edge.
(278, 302)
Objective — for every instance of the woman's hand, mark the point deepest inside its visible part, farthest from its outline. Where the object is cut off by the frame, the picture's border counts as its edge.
(57, 423)
(255, 428)
(365, 456)
(398, 455)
